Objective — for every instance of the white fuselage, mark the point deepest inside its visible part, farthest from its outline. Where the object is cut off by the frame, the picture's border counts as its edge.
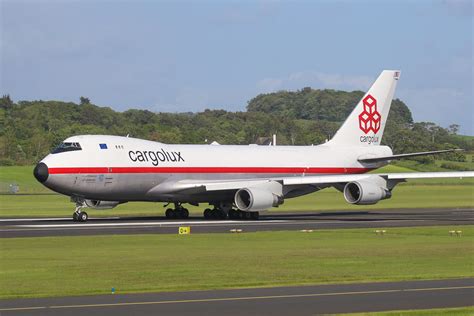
(129, 168)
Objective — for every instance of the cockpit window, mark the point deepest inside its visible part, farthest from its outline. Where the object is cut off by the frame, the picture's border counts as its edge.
(66, 147)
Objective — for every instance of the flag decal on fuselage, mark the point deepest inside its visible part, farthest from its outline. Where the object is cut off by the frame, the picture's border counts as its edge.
(103, 146)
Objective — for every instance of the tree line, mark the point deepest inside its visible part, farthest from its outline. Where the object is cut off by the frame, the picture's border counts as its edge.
(30, 129)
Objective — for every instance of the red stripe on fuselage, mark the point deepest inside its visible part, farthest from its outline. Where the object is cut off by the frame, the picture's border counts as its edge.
(251, 170)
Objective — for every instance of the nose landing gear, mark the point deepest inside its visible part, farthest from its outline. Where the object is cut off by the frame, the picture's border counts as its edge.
(79, 215)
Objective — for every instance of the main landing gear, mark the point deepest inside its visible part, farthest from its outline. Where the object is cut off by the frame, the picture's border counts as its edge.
(79, 215)
(221, 211)
(238, 214)
(179, 212)
(215, 213)
(224, 212)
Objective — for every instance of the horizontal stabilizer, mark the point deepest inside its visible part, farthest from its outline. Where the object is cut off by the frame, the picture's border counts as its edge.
(400, 156)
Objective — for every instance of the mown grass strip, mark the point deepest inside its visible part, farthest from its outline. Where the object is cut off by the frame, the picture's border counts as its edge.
(58, 266)
(460, 311)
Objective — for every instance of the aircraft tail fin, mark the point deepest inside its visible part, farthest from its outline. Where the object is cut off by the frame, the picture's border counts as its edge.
(366, 123)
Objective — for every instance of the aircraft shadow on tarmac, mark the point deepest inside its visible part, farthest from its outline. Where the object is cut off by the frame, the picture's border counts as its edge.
(307, 216)
(342, 216)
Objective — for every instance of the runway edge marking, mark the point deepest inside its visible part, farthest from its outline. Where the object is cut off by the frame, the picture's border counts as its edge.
(164, 223)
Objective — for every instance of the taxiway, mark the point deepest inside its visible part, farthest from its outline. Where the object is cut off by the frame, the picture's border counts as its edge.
(302, 300)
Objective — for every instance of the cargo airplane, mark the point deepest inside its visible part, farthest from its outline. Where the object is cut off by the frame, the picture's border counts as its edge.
(238, 181)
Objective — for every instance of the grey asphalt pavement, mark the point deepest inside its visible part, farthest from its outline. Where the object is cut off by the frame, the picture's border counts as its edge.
(298, 300)
(271, 221)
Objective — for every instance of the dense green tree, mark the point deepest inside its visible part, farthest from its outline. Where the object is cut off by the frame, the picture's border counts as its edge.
(84, 100)
(5, 102)
(30, 129)
(327, 105)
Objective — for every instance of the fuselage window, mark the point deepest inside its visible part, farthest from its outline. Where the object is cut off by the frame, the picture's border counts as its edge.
(63, 147)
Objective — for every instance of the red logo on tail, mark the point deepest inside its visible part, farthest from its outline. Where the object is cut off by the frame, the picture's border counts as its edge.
(369, 119)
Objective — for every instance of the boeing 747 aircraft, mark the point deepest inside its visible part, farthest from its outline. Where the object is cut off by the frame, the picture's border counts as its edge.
(101, 172)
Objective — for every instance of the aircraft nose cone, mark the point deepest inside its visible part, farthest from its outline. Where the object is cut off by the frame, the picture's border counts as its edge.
(41, 172)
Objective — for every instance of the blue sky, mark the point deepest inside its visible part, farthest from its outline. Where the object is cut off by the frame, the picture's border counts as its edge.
(192, 55)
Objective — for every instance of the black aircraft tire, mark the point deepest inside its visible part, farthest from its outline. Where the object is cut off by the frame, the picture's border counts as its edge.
(83, 217)
(75, 218)
(169, 213)
(254, 215)
(184, 213)
(233, 214)
(222, 214)
(207, 213)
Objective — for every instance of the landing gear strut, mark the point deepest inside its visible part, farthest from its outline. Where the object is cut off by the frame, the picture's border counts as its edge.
(179, 212)
(79, 215)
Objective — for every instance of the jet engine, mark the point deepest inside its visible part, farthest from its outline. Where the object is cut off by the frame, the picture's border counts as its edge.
(365, 193)
(101, 205)
(256, 199)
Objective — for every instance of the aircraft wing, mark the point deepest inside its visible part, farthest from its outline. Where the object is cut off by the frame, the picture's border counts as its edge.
(330, 179)
(199, 186)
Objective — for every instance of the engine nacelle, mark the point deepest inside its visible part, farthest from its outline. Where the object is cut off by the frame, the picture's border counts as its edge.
(101, 205)
(256, 199)
(365, 193)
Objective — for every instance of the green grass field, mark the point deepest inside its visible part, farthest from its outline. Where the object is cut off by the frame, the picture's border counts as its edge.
(462, 311)
(414, 194)
(59, 266)
(21, 176)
